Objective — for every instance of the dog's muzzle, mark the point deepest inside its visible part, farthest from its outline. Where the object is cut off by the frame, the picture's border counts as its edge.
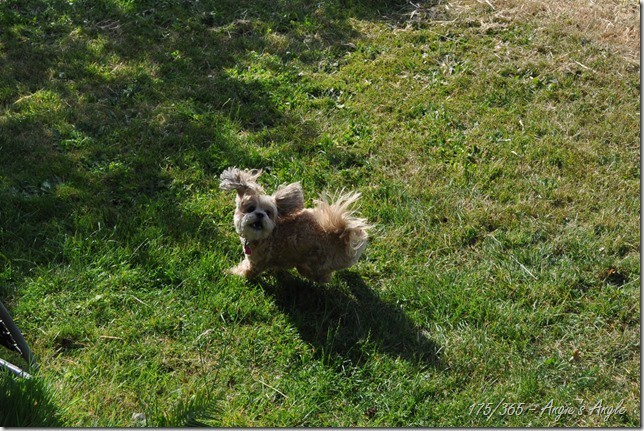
(258, 224)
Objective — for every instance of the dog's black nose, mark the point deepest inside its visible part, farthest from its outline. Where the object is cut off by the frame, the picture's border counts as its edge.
(260, 215)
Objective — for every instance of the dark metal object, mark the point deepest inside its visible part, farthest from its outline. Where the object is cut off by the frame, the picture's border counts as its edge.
(11, 338)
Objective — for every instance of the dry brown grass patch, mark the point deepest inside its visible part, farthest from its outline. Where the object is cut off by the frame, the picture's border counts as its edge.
(612, 23)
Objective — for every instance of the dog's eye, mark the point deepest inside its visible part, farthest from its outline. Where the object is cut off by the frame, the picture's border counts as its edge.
(250, 209)
(268, 213)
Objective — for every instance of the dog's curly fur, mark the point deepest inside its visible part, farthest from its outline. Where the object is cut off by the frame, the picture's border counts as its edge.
(277, 232)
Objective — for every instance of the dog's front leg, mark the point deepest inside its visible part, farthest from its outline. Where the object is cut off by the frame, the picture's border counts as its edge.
(245, 269)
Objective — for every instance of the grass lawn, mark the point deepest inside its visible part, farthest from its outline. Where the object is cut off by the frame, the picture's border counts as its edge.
(496, 145)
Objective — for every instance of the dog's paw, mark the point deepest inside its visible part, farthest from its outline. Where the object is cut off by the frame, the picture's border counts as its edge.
(323, 278)
(244, 269)
(237, 270)
(233, 271)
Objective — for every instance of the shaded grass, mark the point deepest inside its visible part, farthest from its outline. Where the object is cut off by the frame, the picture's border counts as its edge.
(499, 162)
(27, 402)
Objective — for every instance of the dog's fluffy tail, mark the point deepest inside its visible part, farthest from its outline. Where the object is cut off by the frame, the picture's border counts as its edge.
(338, 217)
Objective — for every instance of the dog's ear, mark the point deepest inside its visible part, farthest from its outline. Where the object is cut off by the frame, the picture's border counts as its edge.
(240, 180)
(289, 199)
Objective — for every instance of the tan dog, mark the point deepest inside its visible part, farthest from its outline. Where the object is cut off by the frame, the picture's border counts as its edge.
(277, 232)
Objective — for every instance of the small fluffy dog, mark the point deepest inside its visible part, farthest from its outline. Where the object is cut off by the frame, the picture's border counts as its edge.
(277, 232)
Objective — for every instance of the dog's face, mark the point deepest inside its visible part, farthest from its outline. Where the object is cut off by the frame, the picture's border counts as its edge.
(257, 213)
(255, 216)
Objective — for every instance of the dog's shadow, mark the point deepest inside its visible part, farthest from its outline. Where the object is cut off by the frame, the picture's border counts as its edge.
(348, 319)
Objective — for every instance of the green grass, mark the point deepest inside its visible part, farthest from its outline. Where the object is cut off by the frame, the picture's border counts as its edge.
(27, 402)
(500, 164)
